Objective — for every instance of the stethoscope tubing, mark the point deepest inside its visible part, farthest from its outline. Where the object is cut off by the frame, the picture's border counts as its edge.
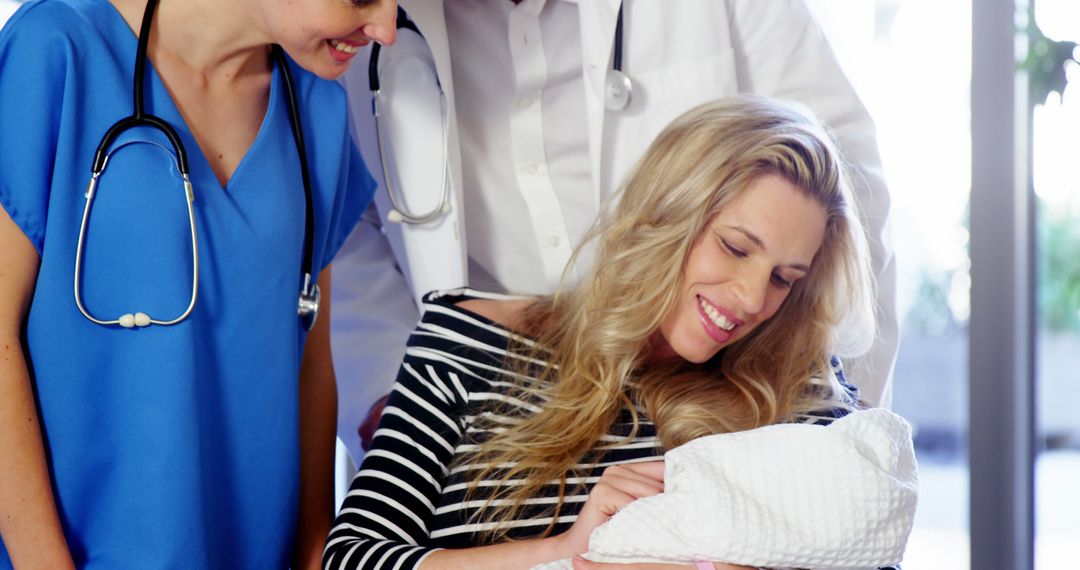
(400, 213)
(617, 52)
(138, 118)
(308, 304)
(618, 97)
(91, 189)
(301, 150)
(618, 89)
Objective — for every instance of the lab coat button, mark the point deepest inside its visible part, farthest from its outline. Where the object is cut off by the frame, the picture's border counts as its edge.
(531, 168)
(553, 241)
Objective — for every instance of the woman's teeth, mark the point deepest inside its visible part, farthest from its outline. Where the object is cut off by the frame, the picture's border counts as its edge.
(342, 46)
(718, 319)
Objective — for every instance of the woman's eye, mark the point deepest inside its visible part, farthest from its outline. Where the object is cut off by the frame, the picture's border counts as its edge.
(780, 281)
(733, 250)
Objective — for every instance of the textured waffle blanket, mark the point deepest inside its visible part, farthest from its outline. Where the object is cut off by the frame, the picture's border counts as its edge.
(791, 495)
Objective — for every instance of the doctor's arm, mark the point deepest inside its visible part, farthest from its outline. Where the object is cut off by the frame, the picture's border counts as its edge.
(29, 523)
(318, 415)
(781, 52)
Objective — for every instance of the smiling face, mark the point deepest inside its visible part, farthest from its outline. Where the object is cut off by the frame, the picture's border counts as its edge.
(741, 268)
(324, 35)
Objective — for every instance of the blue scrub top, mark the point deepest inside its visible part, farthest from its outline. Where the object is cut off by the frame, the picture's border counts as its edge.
(169, 447)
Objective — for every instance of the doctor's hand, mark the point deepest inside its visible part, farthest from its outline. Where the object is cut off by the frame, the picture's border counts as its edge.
(582, 564)
(618, 486)
(371, 423)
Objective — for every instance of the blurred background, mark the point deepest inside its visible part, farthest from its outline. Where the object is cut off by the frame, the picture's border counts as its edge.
(911, 61)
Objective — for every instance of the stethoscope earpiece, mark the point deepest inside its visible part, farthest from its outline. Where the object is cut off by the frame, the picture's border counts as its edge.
(137, 320)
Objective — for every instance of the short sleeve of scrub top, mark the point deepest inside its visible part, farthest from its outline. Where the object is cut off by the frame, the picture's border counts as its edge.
(178, 446)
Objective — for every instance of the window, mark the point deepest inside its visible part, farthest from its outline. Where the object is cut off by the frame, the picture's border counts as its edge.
(1056, 122)
(911, 63)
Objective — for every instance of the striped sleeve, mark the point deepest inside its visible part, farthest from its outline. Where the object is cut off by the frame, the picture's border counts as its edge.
(386, 514)
(848, 397)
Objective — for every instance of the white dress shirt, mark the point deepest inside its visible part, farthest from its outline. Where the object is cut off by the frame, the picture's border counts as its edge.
(524, 145)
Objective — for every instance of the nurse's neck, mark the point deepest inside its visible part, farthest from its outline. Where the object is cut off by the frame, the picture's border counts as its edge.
(208, 38)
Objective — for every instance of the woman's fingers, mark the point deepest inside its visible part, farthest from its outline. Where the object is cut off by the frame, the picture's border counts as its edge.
(617, 487)
(630, 482)
(635, 479)
(652, 469)
(622, 484)
(606, 499)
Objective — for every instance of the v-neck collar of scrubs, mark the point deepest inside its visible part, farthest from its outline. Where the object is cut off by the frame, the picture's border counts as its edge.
(172, 115)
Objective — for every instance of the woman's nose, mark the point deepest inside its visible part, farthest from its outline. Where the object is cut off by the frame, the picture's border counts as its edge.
(382, 27)
(751, 290)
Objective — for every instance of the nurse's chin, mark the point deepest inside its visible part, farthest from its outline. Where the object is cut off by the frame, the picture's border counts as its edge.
(322, 65)
(329, 70)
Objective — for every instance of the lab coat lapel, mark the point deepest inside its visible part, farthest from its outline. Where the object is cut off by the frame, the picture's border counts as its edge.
(597, 19)
(430, 18)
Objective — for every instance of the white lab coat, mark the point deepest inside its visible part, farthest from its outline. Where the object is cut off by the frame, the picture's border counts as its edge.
(678, 53)
(7, 9)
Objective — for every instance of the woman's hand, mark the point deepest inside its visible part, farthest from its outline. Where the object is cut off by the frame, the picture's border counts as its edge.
(582, 564)
(618, 486)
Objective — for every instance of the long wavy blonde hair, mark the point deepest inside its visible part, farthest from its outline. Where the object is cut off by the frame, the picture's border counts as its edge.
(596, 335)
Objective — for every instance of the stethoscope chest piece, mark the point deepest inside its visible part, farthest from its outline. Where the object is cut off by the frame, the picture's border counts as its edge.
(308, 308)
(618, 91)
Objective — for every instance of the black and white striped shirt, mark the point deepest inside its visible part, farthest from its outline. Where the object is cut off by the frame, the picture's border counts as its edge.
(407, 498)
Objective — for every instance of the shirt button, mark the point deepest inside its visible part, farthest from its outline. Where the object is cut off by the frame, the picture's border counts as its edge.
(553, 241)
(525, 103)
(531, 168)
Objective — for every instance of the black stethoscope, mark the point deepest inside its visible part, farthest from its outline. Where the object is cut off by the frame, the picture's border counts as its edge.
(618, 94)
(399, 213)
(308, 306)
(618, 90)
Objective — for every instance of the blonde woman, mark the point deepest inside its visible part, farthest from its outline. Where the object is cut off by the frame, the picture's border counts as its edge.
(722, 281)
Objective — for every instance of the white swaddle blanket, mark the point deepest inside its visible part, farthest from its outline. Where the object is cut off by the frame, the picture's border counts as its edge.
(790, 495)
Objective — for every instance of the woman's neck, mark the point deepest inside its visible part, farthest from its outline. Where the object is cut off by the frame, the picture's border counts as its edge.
(507, 313)
(207, 40)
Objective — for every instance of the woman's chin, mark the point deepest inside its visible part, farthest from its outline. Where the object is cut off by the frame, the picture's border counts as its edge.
(697, 354)
(331, 71)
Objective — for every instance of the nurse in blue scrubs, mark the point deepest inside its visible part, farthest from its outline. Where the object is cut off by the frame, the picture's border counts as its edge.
(207, 443)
